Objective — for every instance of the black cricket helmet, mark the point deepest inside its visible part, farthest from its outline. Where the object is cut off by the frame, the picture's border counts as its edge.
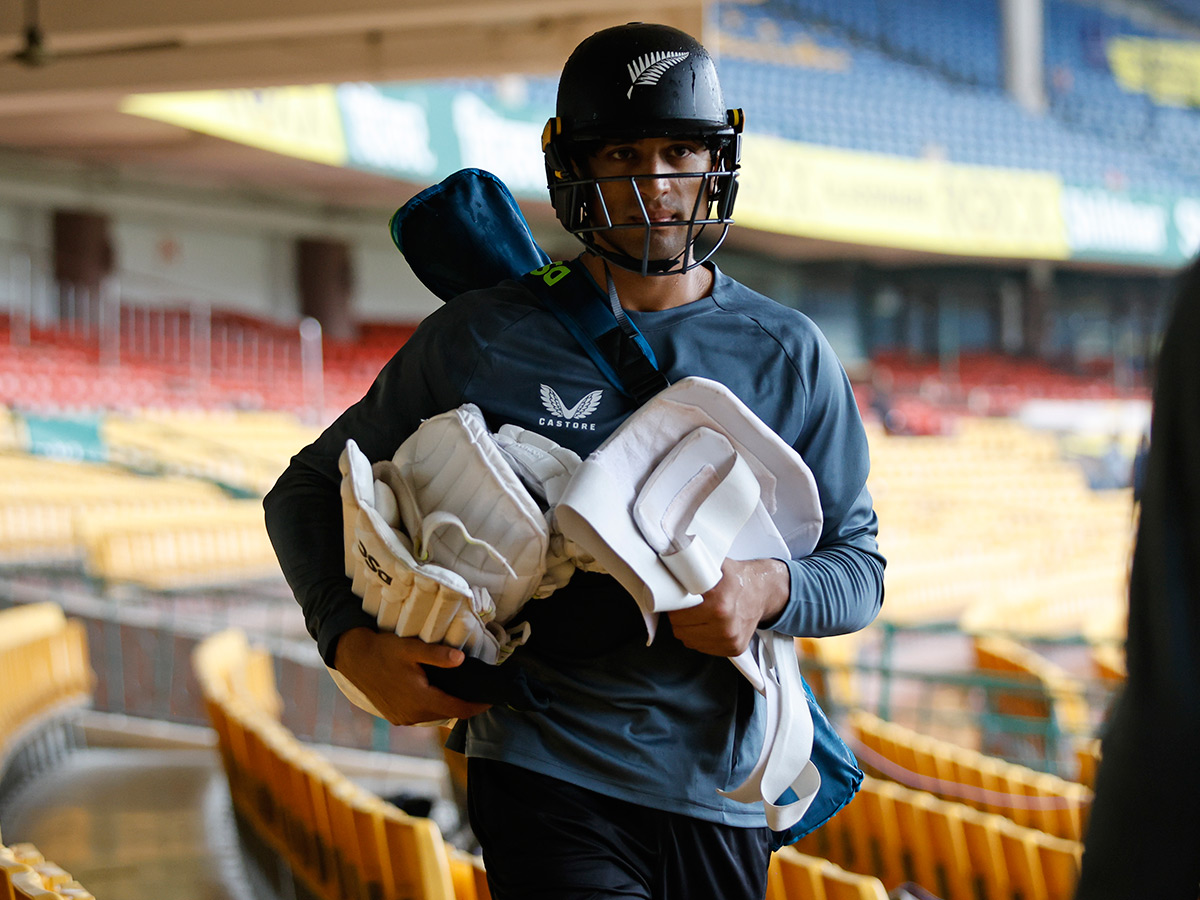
(626, 83)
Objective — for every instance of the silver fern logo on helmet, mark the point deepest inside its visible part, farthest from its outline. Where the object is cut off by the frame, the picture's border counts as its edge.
(648, 68)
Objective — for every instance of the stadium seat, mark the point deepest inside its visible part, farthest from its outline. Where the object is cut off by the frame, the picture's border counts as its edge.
(1035, 707)
(420, 862)
(468, 876)
(1087, 760)
(989, 867)
(28, 885)
(842, 885)
(375, 869)
(796, 876)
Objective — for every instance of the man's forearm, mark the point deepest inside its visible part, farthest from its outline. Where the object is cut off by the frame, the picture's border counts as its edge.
(834, 590)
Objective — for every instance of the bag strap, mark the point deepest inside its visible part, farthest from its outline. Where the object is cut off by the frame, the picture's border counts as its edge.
(606, 334)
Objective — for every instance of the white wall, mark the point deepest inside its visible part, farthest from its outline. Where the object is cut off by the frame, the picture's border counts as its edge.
(236, 252)
(163, 258)
(385, 289)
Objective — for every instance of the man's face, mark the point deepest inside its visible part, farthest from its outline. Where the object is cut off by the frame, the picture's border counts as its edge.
(644, 194)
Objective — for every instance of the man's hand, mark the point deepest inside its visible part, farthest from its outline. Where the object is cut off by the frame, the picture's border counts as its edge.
(749, 593)
(387, 668)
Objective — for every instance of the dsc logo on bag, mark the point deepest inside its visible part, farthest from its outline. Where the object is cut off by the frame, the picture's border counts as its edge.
(552, 273)
(373, 564)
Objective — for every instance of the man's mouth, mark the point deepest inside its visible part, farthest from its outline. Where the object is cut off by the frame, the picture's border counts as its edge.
(658, 216)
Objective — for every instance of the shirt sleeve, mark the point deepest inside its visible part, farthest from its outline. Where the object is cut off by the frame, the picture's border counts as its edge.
(838, 588)
(304, 510)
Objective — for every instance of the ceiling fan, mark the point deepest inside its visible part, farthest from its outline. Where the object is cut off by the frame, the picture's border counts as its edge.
(36, 53)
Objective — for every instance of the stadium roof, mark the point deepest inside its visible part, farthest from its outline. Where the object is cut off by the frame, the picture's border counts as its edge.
(59, 94)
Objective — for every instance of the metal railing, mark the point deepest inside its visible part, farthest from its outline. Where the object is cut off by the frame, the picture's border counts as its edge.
(134, 319)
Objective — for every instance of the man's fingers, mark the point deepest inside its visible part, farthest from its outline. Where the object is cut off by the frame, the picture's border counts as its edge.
(438, 655)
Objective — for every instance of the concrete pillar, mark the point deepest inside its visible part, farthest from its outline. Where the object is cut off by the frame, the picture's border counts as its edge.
(325, 282)
(83, 258)
(1038, 300)
(1023, 26)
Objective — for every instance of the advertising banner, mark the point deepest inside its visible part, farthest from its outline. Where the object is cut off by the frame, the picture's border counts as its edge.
(886, 201)
(303, 122)
(1167, 71)
(1130, 227)
(422, 132)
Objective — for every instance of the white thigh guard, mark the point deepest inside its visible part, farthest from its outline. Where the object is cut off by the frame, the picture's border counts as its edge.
(692, 477)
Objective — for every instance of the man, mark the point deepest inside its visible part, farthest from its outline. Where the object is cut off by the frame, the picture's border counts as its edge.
(611, 791)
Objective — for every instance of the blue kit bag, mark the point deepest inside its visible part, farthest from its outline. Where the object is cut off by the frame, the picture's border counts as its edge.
(467, 232)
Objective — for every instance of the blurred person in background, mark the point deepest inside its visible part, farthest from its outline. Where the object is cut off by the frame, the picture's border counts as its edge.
(1143, 837)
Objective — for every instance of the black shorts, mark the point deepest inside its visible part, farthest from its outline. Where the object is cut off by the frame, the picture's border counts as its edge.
(546, 838)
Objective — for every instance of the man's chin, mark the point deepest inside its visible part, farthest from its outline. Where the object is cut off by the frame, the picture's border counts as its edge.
(660, 247)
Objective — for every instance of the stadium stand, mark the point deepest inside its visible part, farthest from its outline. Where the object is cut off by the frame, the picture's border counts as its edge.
(1028, 797)
(170, 549)
(1042, 710)
(46, 677)
(294, 801)
(44, 669)
(986, 518)
(992, 538)
(879, 83)
(27, 875)
(950, 849)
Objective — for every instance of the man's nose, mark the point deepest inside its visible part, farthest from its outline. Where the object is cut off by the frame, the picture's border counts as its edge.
(654, 182)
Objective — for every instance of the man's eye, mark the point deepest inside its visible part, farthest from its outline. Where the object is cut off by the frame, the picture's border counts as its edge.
(682, 151)
(621, 154)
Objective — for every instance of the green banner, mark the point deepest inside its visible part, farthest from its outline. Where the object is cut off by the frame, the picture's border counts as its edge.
(76, 439)
(424, 132)
(1130, 227)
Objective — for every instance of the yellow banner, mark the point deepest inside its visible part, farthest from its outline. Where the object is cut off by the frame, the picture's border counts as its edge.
(296, 121)
(1169, 71)
(866, 198)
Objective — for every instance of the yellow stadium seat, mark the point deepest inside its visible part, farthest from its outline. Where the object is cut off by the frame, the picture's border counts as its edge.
(375, 870)
(318, 776)
(28, 886)
(468, 876)
(795, 876)
(420, 862)
(1060, 861)
(879, 807)
(347, 857)
(1087, 758)
(25, 622)
(988, 866)
(953, 861)
(842, 885)
(912, 812)
(1023, 860)
(10, 868)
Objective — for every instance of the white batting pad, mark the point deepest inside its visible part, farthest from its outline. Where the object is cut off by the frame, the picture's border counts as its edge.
(467, 511)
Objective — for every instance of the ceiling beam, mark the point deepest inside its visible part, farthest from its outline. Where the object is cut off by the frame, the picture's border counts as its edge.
(68, 24)
(464, 50)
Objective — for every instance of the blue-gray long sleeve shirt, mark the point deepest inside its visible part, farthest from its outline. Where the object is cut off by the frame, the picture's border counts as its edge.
(659, 725)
